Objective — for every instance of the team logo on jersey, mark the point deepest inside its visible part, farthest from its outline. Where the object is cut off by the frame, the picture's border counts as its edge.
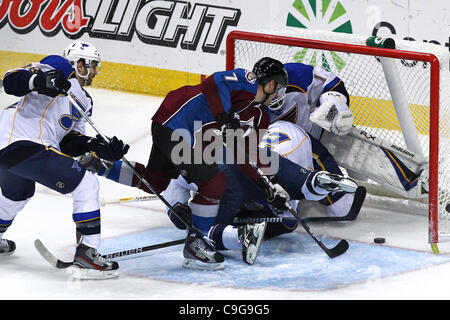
(250, 76)
(272, 139)
(76, 166)
(66, 120)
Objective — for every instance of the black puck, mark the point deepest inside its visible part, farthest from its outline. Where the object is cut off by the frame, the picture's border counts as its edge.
(447, 207)
(379, 240)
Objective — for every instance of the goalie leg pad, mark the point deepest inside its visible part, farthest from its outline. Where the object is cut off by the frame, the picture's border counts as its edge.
(364, 161)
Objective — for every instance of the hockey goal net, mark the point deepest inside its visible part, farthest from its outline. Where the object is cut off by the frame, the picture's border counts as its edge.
(400, 96)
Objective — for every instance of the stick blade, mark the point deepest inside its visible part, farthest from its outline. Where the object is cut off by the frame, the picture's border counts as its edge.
(339, 249)
(49, 257)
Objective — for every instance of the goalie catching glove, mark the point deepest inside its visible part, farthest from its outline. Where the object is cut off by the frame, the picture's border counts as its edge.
(333, 114)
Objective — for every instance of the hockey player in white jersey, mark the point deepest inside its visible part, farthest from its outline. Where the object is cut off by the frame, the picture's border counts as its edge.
(317, 100)
(291, 143)
(39, 136)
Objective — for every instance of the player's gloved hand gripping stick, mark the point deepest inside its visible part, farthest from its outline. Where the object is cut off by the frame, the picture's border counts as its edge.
(339, 249)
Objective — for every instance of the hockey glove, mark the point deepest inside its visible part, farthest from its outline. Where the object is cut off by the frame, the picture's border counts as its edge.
(51, 83)
(228, 122)
(112, 151)
(333, 114)
(184, 212)
(278, 197)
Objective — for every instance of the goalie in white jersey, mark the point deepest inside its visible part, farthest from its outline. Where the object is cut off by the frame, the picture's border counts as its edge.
(39, 136)
(317, 100)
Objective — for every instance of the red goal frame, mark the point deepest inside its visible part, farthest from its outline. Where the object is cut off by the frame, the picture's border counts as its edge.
(372, 51)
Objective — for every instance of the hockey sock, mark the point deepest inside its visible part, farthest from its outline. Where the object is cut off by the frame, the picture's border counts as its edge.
(224, 237)
(92, 240)
(121, 173)
(203, 216)
(230, 238)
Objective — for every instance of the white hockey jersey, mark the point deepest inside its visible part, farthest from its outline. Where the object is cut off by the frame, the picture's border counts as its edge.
(305, 86)
(42, 119)
(291, 142)
(285, 138)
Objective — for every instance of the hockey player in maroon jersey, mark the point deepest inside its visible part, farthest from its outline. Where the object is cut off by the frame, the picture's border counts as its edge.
(226, 100)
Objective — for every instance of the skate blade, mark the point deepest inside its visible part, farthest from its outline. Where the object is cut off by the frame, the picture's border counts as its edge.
(92, 274)
(348, 185)
(253, 250)
(4, 254)
(198, 265)
(344, 184)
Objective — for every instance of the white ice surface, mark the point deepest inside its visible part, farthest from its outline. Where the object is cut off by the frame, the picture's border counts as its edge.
(25, 275)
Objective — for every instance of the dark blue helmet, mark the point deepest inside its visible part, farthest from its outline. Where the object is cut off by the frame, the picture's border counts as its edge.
(267, 69)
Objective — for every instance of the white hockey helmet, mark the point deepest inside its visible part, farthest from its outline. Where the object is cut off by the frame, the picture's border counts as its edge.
(82, 50)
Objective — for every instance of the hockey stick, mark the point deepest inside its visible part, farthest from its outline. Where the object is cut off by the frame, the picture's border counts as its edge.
(349, 217)
(136, 173)
(379, 142)
(104, 201)
(333, 252)
(51, 259)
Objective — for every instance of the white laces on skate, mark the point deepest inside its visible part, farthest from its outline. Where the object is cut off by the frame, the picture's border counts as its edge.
(99, 257)
(203, 247)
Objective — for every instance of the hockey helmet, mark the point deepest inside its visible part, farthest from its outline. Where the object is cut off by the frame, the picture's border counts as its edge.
(82, 50)
(267, 69)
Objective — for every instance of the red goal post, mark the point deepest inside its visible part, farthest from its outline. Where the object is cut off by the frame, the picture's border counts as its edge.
(254, 45)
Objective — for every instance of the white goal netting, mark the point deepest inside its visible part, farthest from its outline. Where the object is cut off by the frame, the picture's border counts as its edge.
(373, 101)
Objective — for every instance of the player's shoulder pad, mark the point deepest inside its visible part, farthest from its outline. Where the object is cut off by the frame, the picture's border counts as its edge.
(59, 63)
(237, 79)
(299, 75)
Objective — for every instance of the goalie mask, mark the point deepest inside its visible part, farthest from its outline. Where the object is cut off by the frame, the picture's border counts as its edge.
(81, 50)
(267, 69)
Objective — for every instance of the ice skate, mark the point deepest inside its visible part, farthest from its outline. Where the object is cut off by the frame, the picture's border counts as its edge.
(334, 182)
(7, 247)
(199, 255)
(251, 236)
(89, 264)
